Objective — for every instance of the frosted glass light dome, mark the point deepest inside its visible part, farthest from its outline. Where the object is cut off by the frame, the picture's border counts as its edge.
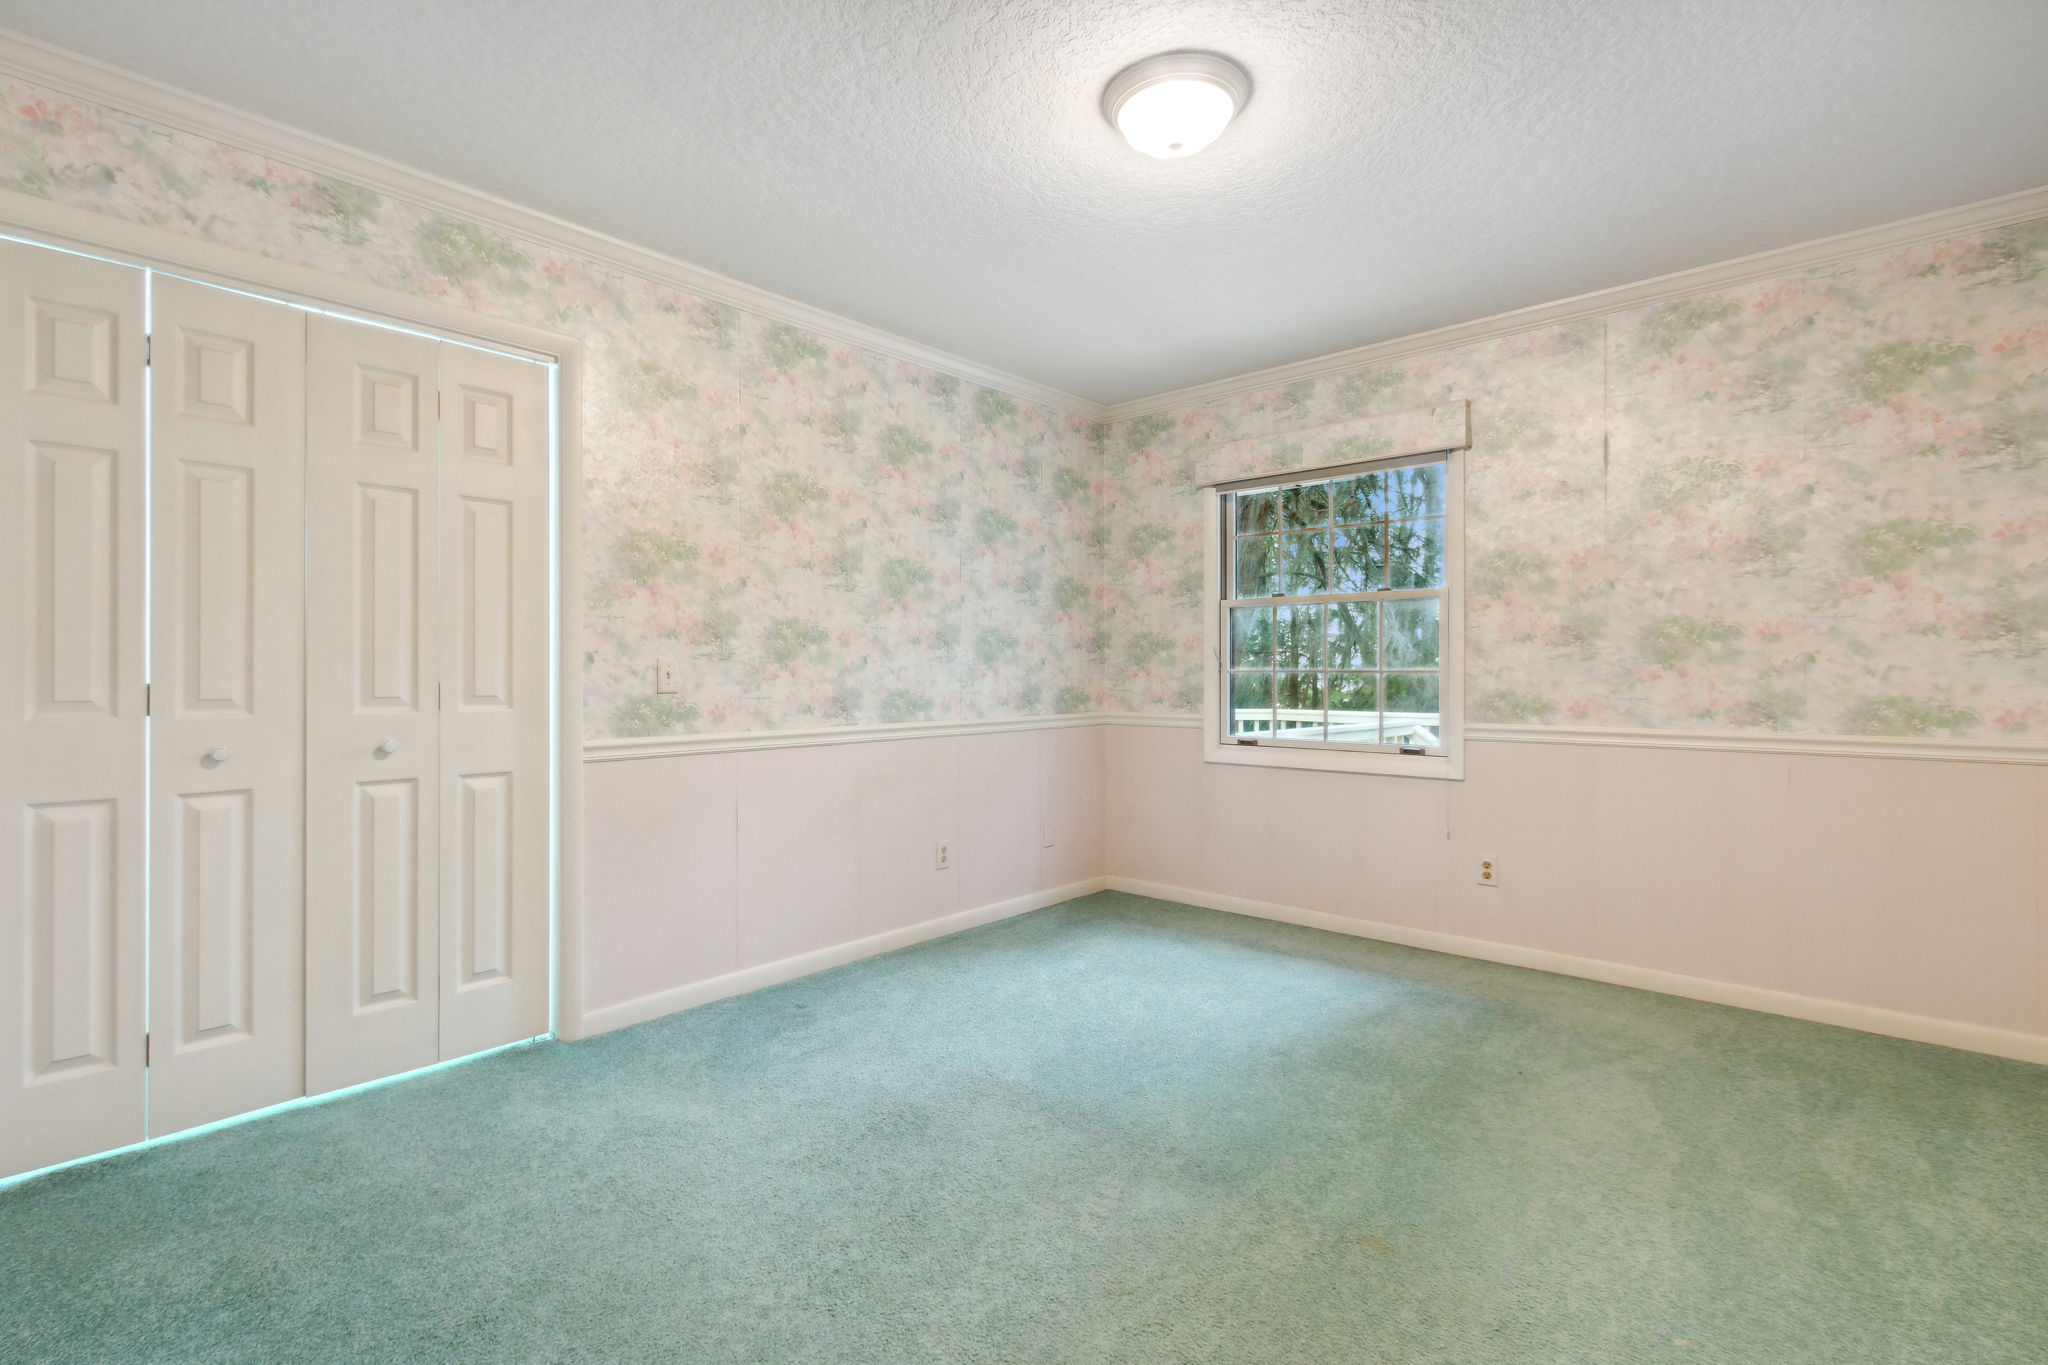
(1177, 103)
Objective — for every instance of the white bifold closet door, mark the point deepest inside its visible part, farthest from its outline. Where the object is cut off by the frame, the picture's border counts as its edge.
(71, 706)
(427, 701)
(495, 743)
(227, 736)
(306, 842)
(373, 755)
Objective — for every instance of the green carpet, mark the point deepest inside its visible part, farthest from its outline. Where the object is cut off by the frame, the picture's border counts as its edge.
(1117, 1130)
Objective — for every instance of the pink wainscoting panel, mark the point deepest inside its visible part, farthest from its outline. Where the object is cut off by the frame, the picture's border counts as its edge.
(1156, 785)
(995, 852)
(1903, 884)
(1918, 886)
(1070, 805)
(1688, 861)
(907, 802)
(1529, 807)
(658, 893)
(699, 865)
(1913, 885)
(799, 850)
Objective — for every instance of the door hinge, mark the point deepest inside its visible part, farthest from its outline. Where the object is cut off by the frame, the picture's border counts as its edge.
(145, 1050)
(148, 345)
(149, 699)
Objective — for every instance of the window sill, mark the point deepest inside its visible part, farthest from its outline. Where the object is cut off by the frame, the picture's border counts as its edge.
(1443, 767)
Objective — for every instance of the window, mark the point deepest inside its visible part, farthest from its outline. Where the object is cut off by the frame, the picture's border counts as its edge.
(1336, 621)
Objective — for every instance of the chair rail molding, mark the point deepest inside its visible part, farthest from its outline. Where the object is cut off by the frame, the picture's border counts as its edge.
(1770, 742)
(1741, 741)
(613, 750)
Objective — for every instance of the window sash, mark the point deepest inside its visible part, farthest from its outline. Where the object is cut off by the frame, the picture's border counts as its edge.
(1227, 711)
(1274, 737)
(1310, 599)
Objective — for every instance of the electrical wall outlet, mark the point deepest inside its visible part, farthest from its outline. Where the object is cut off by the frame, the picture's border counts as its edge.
(942, 857)
(664, 675)
(1489, 872)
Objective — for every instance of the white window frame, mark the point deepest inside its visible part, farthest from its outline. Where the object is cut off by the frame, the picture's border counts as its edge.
(1447, 759)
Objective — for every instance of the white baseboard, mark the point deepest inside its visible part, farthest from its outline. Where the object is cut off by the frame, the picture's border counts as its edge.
(1918, 1028)
(642, 1008)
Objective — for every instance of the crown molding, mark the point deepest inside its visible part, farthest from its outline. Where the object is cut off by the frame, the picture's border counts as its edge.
(71, 73)
(1986, 213)
(39, 63)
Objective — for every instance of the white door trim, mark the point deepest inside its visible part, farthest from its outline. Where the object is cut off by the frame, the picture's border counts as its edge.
(51, 224)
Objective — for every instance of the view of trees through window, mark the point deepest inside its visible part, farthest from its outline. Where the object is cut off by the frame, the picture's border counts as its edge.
(1332, 605)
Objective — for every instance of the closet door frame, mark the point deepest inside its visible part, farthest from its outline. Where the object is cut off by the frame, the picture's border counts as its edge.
(136, 244)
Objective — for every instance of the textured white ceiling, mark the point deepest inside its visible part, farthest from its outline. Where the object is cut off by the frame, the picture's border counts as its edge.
(941, 169)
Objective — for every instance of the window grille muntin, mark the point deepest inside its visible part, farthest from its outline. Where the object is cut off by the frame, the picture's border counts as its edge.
(1372, 534)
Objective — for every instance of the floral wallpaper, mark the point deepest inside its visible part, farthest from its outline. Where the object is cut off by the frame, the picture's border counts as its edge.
(1813, 504)
(1380, 435)
(1817, 504)
(817, 534)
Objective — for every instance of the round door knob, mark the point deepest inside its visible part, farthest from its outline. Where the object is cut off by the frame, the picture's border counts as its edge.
(220, 755)
(387, 748)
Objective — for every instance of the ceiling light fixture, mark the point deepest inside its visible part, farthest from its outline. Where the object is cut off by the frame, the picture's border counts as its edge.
(1177, 103)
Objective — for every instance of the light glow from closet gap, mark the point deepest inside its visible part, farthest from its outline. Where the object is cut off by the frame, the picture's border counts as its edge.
(555, 698)
(302, 1102)
(148, 666)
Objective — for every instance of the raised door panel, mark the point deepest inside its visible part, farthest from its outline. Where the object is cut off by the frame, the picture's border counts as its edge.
(227, 743)
(495, 648)
(373, 852)
(74, 621)
(387, 902)
(214, 923)
(482, 847)
(392, 568)
(71, 706)
(74, 962)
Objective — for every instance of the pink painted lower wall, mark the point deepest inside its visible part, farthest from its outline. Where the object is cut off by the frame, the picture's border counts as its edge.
(1906, 885)
(698, 866)
(1918, 886)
